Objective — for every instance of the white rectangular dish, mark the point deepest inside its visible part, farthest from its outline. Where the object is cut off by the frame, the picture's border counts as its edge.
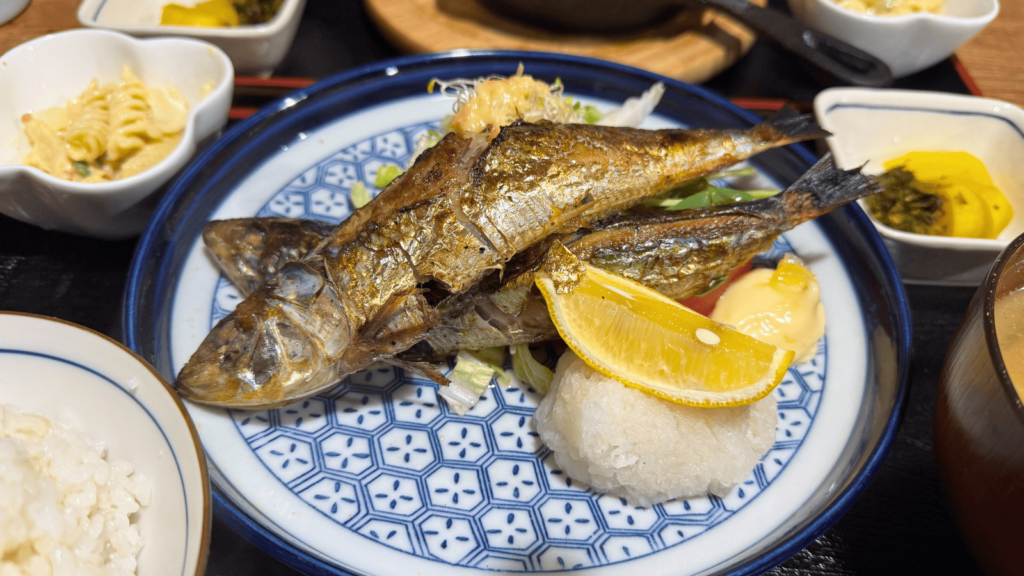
(253, 50)
(870, 127)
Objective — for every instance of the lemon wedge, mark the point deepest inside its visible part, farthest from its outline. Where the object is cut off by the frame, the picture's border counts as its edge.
(656, 345)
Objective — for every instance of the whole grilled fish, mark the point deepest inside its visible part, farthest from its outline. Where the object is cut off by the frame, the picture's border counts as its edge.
(676, 253)
(465, 208)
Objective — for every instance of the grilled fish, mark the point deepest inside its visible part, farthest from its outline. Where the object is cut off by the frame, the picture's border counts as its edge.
(465, 208)
(676, 253)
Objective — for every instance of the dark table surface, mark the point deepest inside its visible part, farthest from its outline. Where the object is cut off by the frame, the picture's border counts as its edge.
(900, 525)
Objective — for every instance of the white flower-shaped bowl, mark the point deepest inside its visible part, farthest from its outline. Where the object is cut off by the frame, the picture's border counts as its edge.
(50, 70)
(907, 43)
(62, 370)
(254, 50)
(870, 127)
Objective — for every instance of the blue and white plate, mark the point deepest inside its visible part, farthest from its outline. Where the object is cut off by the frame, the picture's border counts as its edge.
(378, 476)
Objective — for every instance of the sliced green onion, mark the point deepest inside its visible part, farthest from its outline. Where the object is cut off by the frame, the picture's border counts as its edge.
(528, 370)
(591, 115)
(359, 195)
(385, 174)
(82, 168)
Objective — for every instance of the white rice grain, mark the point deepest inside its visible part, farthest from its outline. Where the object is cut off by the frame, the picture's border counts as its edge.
(64, 510)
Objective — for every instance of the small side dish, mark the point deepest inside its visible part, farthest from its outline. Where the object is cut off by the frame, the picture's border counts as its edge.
(64, 508)
(942, 194)
(216, 13)
(953, 146)
(892, 7)
(108, 132)
(96, 158)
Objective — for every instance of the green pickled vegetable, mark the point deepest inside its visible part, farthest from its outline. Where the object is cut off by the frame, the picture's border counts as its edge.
(256, 11)
(905, 203)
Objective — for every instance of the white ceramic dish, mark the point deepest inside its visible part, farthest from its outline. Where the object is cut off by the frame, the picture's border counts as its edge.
(907, 43)
(874, 126)
(49, 70)
(52, 367)
(11, 8)
(254, 50)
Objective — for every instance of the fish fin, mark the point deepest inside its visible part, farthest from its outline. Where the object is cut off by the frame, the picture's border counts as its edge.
(428, 371)
(788, 124)
(371, 329)
(829, 187)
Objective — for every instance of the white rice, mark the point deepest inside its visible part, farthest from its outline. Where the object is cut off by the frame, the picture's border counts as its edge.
(64, 509)
(623, 442)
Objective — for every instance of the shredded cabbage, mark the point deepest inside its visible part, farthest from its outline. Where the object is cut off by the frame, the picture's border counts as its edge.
(530, 371)
(634, 110)
(473, 372)
(359, 195)
(386, 174)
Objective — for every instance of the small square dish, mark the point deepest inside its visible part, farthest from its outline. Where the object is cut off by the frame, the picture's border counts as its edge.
(870, 127)
(253, 49)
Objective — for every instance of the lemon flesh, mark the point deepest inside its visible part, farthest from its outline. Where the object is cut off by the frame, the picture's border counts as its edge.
(649, 342)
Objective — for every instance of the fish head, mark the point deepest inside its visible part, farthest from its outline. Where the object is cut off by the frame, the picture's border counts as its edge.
(274, 348)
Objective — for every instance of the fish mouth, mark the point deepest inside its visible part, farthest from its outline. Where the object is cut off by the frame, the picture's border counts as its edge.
(239, 366)
(268, 351)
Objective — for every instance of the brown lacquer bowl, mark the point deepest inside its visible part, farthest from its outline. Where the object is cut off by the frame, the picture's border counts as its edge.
(979, 427)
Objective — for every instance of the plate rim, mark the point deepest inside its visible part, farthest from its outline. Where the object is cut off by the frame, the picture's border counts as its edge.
(787, 545)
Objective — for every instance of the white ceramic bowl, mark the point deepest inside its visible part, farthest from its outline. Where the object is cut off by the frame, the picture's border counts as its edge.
(907, 43)
(870, 127)
(254, 50)
(52, 367)
(49, 70)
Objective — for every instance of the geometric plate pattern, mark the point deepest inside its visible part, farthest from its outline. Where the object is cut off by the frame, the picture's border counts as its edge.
(381, 456)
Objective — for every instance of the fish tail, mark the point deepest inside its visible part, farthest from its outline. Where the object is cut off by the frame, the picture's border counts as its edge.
(789, 125)
(826, 187)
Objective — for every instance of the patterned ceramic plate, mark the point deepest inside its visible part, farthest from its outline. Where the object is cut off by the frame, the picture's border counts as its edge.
(378, 476)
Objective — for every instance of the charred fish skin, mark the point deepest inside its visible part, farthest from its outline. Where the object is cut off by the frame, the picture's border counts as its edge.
(679, 254)
(461, 211)
(249, 251)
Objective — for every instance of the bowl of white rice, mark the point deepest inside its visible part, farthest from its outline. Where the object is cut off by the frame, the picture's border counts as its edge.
(101, 468)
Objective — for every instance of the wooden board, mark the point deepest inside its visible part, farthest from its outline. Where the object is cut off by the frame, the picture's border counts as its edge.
(692, 47)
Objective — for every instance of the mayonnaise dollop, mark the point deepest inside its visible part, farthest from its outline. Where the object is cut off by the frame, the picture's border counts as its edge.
(781, 307)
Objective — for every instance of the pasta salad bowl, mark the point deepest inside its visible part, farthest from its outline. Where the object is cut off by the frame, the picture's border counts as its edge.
(99, 87)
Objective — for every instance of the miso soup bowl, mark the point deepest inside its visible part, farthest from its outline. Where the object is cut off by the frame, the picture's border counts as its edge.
(50, 70)
(870, 127)
(979, 426)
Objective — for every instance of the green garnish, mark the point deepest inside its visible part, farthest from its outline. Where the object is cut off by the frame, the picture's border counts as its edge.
(591, 115)
(906, 203)
(385, 174)
(528, 370)
(82, 168)
(430, 86)
(700, 193)
(714, 284)
(359, 195)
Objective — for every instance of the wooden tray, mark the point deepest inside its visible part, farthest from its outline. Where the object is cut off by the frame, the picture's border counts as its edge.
(692, 47)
